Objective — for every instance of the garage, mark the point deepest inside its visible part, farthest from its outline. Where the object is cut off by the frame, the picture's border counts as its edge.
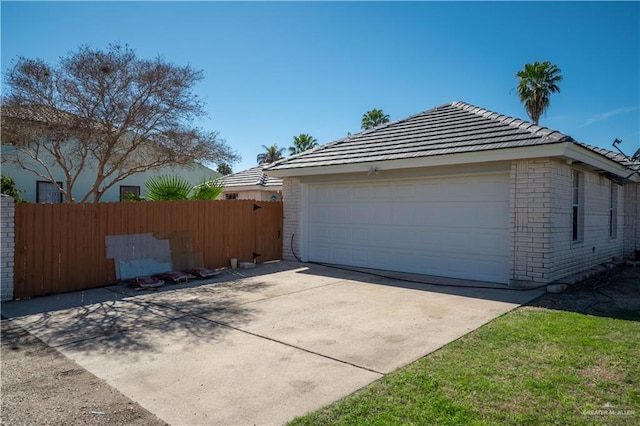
(447, 226)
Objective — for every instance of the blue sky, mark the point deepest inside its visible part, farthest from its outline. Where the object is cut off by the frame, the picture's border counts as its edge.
(274, 70)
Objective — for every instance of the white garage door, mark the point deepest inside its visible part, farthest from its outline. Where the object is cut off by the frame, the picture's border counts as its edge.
(452, 227)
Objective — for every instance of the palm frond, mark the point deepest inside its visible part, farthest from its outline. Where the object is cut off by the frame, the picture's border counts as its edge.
(167, 187)
(208, 190)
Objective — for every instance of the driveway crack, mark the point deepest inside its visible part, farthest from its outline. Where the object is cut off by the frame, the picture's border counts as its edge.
(292, 346)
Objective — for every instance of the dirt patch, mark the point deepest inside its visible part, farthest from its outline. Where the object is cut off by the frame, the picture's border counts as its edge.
(42, 386)
(614, 293)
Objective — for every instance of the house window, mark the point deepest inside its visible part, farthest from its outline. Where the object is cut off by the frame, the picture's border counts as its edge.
(129, 189)
(613, 211)
(231, 196)
(577, 213)
(48, 192)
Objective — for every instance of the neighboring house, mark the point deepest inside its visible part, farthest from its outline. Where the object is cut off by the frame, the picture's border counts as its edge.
(252, 184)
(459, 191)
(40, 190)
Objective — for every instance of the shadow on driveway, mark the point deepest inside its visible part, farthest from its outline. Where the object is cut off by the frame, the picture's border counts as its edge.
(451, 286)
(83, 319)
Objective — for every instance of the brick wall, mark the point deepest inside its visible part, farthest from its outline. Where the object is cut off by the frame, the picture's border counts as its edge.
(530, 199)
(541, 244)
(7, 244)
(631, 228)
(596, 246)
(292, 197)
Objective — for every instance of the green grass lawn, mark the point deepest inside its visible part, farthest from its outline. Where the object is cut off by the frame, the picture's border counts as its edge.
(530, 366)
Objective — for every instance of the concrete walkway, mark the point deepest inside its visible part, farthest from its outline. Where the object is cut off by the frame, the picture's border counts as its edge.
(256, 346)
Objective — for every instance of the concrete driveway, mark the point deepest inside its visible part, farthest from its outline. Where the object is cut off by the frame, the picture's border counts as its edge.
(256, 346)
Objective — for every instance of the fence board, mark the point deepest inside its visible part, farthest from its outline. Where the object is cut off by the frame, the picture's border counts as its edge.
(61, 247)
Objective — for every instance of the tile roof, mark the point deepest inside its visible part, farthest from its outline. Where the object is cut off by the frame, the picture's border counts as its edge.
(251, 177)
(615, 156)
(448, 129)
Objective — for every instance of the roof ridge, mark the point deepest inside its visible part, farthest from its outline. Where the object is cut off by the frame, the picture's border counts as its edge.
(518, 123)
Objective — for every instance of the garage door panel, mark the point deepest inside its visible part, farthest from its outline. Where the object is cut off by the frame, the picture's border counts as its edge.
(321, 233)
(430, 238)
(339, 254)
(489, 215)
(382, 192)
(382, 214)
(342, 234)
(341, 194)
(429, 191)
(359, 235)
(407, 191)
(382, 257)
(361, 192)
(383, 236)
(320, 213)
(321, 192)
(404, 213)
(489, 242)
(319, 252)
(456, 227)
(457, 192)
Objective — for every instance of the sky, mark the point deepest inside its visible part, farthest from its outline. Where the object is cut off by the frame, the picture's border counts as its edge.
(274, 70)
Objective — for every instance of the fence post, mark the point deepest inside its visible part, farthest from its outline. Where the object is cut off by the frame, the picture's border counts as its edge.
(7, 246)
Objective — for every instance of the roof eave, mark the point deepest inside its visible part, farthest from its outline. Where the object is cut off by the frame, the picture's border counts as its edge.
(562, 150)
(504, 154)
(598, 162)
(272, 188)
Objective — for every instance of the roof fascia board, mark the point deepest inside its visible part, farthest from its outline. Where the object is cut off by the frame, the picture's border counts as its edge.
(585, 155)
(564, 150)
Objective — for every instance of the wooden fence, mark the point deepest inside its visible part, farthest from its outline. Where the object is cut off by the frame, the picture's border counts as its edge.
(61, 247)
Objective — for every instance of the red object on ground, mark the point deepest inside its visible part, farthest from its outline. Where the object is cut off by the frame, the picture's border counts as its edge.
(175, 276)
(203, 272)
(147, 282)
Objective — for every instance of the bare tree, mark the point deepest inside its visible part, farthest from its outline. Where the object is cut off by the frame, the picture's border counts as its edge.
(107, 113)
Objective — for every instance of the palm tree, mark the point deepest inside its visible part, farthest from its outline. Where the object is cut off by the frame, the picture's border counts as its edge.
(374, 118)
(171, 188)
(272, 154)
(302, 143)
(208, 189)
(167, 188)
(537, 81)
